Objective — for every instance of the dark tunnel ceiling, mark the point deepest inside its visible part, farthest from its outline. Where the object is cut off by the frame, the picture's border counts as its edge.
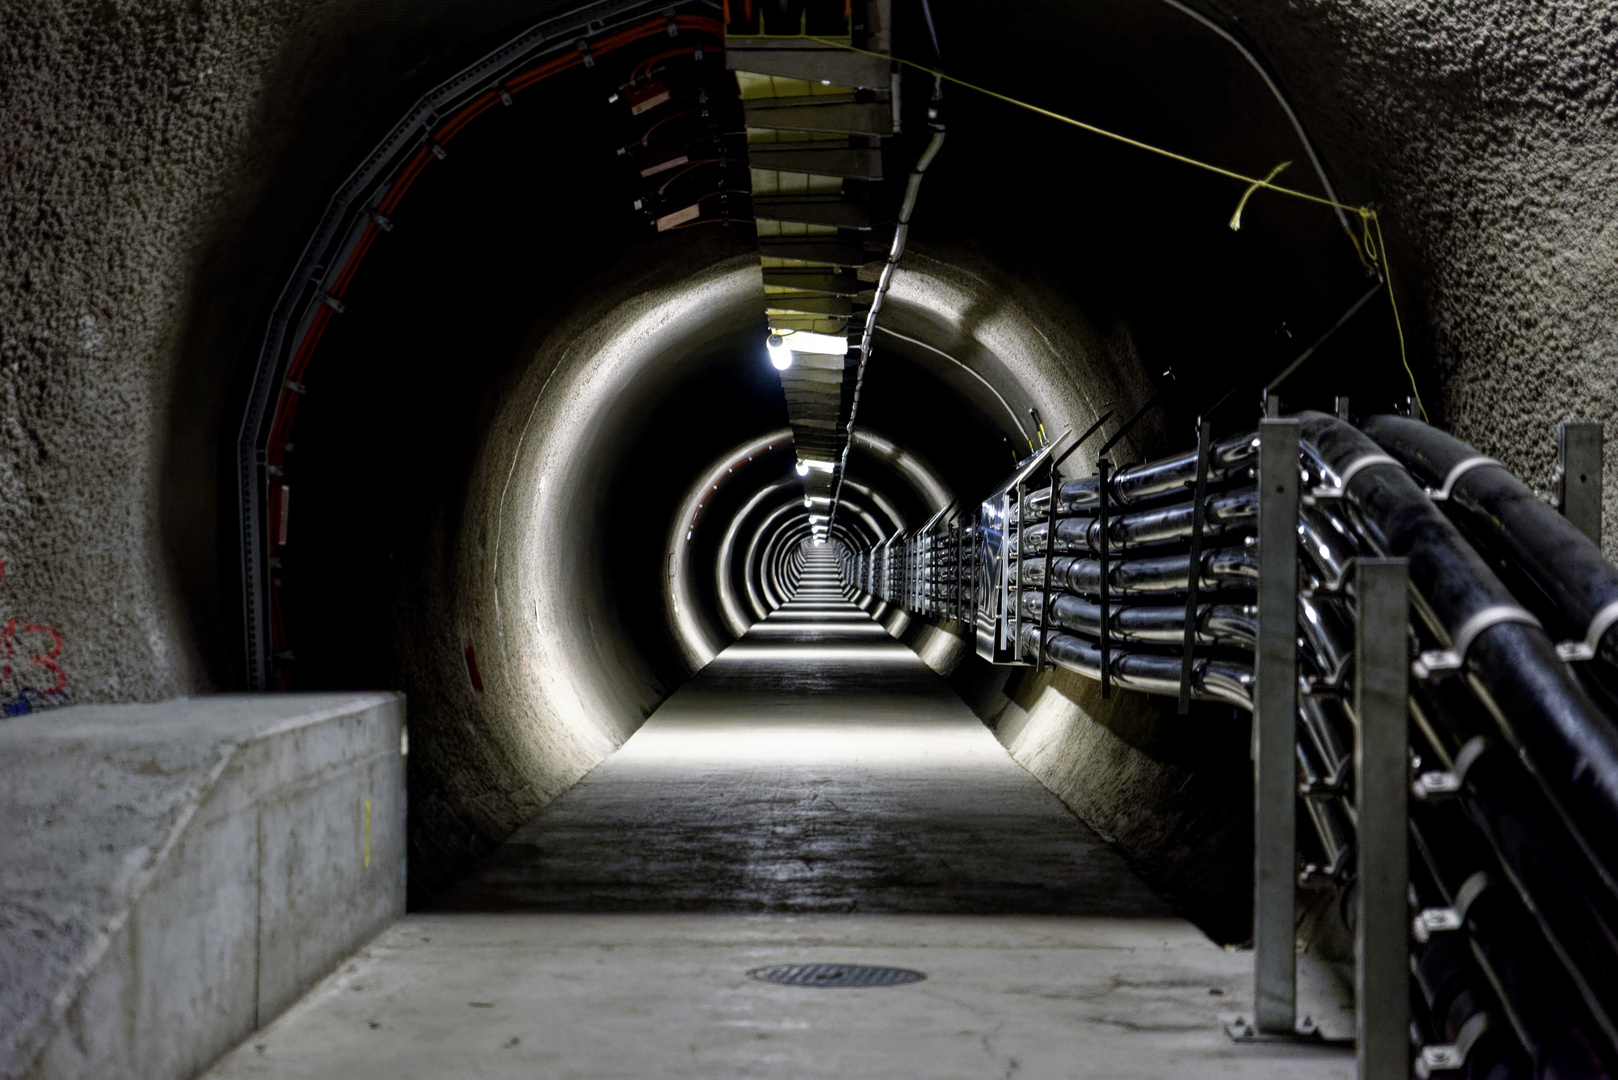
(533, 216)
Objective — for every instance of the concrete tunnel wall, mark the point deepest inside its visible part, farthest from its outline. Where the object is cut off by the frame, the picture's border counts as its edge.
(162, 157)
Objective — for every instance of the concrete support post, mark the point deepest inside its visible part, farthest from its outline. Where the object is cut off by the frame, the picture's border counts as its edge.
(1275, 720)
(1578, 446)
(1381, 783)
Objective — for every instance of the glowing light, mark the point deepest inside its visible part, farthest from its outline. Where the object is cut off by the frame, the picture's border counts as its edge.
(821, 344)
(780, 355)
(814, 463)
(803, 468)
(783, 346)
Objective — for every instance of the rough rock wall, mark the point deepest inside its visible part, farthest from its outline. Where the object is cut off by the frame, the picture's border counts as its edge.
(139, 137)
(1485, 132)
(163, 161)
(124, 132)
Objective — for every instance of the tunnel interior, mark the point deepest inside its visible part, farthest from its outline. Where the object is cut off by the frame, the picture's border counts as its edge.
(527, 381)
(413, 483)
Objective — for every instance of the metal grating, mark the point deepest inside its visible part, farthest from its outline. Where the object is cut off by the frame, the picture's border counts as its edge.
(841, 975)
(817, 113)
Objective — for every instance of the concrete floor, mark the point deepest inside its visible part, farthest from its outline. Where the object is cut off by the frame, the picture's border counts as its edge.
(815, 794)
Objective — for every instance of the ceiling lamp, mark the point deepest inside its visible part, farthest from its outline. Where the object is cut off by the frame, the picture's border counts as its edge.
(803, 341)
(780, 355)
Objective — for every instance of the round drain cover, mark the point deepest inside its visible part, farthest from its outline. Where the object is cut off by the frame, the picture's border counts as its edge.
(835, 975)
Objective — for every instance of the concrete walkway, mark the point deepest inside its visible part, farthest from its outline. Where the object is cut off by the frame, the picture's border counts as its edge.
(816, 794)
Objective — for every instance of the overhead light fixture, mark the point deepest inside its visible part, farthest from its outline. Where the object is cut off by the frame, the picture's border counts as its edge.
(823, 344)
(807, 501)
(802, 341)
(803, 468)
(780, 355)
(814, 463)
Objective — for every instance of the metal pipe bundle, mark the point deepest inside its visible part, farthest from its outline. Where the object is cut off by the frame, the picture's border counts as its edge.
(1515, 757)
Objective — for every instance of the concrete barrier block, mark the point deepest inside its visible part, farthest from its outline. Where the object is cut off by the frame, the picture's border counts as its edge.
(172, 876)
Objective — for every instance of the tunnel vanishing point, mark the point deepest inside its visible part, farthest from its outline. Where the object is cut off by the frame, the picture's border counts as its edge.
(808, 538)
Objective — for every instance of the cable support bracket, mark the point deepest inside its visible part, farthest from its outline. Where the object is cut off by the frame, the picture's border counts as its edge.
(1434, 920)
(1435, 785)
(1452, 659)
(1460, 469)
(1451, 1056)
(1354, 468)
(1576, 651)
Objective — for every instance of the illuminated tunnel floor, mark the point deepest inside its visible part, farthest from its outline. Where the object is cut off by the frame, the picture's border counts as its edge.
(816, 794)
(817, 765)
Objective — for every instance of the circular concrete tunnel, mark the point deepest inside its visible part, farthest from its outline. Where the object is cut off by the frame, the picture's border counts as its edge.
(540, 472)
(504, 487)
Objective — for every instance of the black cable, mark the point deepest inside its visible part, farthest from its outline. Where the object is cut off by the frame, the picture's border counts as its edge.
(932, 32)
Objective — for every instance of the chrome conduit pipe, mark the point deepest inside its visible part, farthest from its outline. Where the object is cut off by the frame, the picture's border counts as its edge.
(1212, 680)
(1228, 461)
(1224, 514)
(1158, 624)
(1156, 574)
(1514, 764)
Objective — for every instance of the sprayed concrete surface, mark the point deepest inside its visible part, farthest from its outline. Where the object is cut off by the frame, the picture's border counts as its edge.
(174, 875)
(816, 766)
(1484, 132)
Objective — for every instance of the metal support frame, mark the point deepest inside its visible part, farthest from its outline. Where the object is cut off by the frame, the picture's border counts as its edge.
(1103, 468)
(1050, 555)
(1194, 575)
(1381, 786)
(1050, 525)
(1275, 721)
(1014, 616)
(1578, 451)
(1005, 569)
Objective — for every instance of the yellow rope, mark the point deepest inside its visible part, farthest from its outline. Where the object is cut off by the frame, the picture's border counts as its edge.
(1368, 217)
(1387, 276)
(1236, 218)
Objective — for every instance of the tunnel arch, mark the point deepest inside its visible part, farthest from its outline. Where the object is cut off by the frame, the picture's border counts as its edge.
(169, 167)
(532, 646)
(1083, 276)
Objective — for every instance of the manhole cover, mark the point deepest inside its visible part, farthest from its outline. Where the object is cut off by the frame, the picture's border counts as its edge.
(835, 975)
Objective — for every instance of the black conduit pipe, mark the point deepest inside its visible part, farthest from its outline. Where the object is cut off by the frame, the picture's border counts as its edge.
(1509, 660)
(1557, 570)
